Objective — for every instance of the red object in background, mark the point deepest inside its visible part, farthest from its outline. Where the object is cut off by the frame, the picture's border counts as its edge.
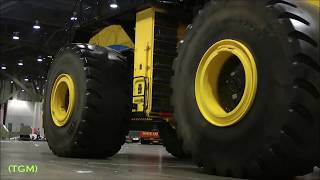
(36, 131)
(165, 114)
(148, 135)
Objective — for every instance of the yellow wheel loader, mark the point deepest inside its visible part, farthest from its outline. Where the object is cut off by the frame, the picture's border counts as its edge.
(234, 84)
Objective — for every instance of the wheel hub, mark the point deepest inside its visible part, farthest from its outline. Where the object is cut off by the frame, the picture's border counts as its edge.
(226, 83)
(62, 100)
(231, 84)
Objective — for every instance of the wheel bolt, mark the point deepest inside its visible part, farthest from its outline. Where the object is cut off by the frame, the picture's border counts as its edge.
(234, 96)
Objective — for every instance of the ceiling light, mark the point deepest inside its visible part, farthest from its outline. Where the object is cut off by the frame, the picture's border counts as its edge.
(11, 82)
(3, 67)
(37, 88)
(39, 59)
(114, 4)
(74, 16)
(36, 25)
(22, 90)
(20, 63)
(26, 79)
(15, 36)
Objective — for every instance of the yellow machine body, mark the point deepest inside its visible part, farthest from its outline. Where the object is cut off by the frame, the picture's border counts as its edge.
(143, 56)
(315, 2)
(143, 61)
(112, 35)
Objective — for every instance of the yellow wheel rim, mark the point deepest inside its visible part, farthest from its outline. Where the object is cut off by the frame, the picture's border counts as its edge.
(207, 82)
(62, 99)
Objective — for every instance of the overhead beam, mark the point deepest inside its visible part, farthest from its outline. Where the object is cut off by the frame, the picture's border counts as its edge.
(22, 86)
(29, 20)
(5, 99)
(6, 6)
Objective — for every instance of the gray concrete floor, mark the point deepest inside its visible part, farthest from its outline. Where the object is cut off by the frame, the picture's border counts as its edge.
(134, 161)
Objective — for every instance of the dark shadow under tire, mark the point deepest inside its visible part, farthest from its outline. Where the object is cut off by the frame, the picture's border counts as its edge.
(279, 136)
(99, 122)
(171, 142)
(143, 141)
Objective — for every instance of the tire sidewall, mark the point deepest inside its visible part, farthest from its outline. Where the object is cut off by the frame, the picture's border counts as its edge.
(265, 40)
(66, 62)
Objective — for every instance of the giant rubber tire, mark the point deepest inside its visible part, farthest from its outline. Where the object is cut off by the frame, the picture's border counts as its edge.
(279, 136)
(171, 141)
(99, 123)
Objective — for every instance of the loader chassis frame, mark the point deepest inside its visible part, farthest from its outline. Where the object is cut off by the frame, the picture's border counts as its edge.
(156, 37)
(143, 61)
